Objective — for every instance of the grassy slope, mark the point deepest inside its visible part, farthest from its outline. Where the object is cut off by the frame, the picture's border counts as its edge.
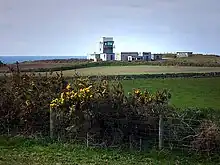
(20, 151)
(203, 92)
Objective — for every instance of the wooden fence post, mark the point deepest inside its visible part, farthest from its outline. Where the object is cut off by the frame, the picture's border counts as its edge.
(87, 139)
(140, 144)
(52, 117)
(130, 142)
(161, 130)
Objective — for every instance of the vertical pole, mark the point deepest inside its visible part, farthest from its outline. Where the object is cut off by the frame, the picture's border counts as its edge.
(161, 129)
(140, 144)
(87, 139)
(52, 115)
(130, 142)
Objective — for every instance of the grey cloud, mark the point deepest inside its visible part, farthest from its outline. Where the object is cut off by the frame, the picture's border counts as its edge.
(72, 26)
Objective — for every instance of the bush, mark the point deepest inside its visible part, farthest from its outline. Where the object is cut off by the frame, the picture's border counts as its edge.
(25, 102)
(207, 138)
(96, 102)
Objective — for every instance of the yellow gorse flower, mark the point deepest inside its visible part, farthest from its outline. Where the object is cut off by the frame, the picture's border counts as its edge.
(70, 96)
(137, 91)
(68, 87)
(52, 105)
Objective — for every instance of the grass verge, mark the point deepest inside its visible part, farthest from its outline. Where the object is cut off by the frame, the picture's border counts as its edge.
(23, 151)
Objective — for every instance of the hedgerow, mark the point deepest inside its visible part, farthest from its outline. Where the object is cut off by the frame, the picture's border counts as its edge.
(150, 76)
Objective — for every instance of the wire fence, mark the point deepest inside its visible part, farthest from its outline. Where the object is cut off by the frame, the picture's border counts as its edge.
(154, 133)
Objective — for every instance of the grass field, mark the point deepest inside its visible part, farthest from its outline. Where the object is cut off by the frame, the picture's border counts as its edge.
(188, 92)
(137, 69)
(141, 69)
(21, 151)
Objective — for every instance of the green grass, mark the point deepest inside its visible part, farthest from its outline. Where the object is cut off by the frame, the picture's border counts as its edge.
(188, 92)
(22, 151)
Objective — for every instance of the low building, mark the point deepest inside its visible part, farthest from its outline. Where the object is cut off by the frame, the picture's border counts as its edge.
(101, 57)
(95, 57)
(135, 56)
(147, 56)
(129, 56)
(183, 54)
(107, 56)
(155, 57)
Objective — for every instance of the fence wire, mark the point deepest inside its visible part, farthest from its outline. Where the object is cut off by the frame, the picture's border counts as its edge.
(170, 133)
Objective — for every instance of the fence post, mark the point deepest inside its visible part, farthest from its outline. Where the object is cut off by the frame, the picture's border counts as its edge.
(52, 117)
(130, 142)
(87, 139)
(140, 143)
(161, 130)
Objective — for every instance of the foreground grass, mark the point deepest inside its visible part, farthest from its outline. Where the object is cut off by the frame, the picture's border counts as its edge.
(22, 151)
(187, 92)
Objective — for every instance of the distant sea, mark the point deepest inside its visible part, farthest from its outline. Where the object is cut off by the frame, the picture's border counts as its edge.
(13, 59)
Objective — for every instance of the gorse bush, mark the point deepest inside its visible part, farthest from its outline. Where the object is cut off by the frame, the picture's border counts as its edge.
(86, 101)
(26, 99)
(25, 102)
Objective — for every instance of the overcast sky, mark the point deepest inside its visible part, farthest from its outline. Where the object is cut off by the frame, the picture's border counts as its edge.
(74, 27)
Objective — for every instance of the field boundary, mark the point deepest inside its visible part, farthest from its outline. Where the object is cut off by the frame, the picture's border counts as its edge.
(153, 76)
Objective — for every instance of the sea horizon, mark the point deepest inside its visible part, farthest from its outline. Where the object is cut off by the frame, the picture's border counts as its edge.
(9, 59)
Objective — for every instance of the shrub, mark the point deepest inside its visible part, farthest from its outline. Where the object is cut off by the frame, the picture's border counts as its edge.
(208, 138)
(87, 101)
(25, 102)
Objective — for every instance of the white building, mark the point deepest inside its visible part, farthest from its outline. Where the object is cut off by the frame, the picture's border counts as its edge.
(106, 48)
(118, 56)
(95, 57)
(183, 54)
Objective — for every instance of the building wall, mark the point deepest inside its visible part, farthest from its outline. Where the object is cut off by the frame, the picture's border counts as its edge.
(103, 57)
(118, 56)
(107, 57)
(107, 45)
(124, 55)
(147, 57)
(156, 57)
(183, 54)
(94, 57)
